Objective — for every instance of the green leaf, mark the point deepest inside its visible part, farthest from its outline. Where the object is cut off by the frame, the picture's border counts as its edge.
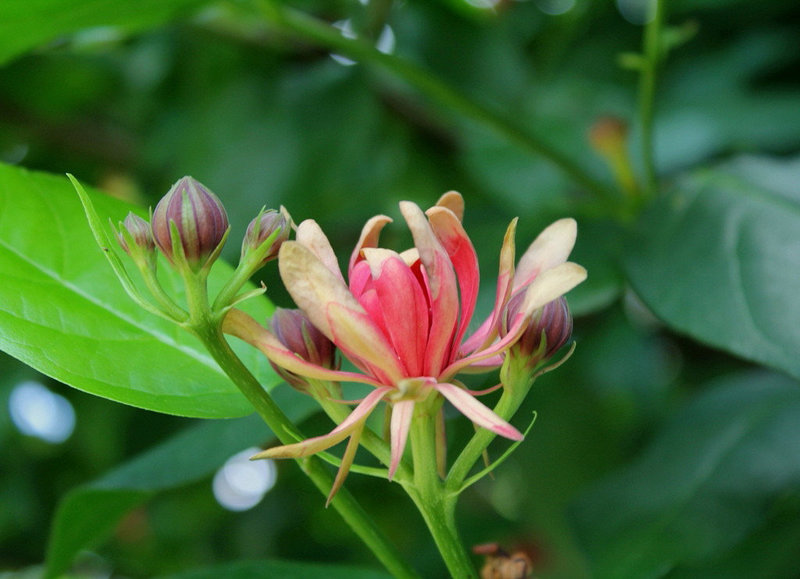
(90, 512)
(708, 480)
(718, 258)
(282, 569)
(63, 312)
(25, 24)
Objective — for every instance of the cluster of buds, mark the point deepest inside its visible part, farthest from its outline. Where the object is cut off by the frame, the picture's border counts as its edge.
(189, 226)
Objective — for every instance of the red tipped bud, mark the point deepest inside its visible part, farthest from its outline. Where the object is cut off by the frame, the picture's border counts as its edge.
(295, 331)
(549, 329)
(266, 224)
(199, 218)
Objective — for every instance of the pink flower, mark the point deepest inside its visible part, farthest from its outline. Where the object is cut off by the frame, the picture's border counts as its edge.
(401, 318)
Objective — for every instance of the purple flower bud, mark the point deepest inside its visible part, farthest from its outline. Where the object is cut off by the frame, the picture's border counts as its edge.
(199, 217)
(295, 331)
(262, 227)
(549, 329)
(140, 232)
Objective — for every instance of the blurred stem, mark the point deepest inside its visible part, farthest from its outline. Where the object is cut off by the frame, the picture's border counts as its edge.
(653, 53)
(429, 494)
(321, 33)
(207, 326)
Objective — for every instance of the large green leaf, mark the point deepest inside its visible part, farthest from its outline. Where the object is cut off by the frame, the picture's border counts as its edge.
(707, 481)
(25, 24)
(718, 258)
(282, 569)
(90, 512)
(63, 312)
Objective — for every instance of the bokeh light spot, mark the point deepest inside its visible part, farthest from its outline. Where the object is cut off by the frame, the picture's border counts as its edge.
(36, 411)
(241, 483)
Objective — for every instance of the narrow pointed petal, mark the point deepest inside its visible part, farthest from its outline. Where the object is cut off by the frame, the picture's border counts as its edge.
(239, 324)
(335, 436)
(402, 412)
(306, 447)
(477, 412)
(453, 201)
(370, 234)
(551, 248)
(327, 302)
(488, 329)
(442, 286)
(310, 235)
(458, 246)
(347, 461)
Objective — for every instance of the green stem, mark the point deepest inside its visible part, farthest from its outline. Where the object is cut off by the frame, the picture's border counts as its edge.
(208, 328)
(652, 52)
(428, 492)
(431, 86)
(516, 387)
(344, 503)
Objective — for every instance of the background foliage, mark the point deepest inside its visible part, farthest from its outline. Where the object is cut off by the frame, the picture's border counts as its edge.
(668, 446)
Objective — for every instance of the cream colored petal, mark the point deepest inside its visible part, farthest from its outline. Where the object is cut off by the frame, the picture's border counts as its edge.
(552, 284)
(310, 235)
(370, 234)
(453, 201)
(312, 284)
(550, 248)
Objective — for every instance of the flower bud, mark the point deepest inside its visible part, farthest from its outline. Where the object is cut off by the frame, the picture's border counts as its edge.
(549, 329)
(294, 330)
(608, 135)
(140, 234)
(266, 224)
(199, 218)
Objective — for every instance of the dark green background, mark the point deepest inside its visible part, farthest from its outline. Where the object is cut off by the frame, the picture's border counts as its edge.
(668, 446)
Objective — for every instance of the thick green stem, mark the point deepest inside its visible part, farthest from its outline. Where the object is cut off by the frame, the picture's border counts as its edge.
(208, 328)
(287, 433)
(309, 28)
(429, 494)
(653, 53)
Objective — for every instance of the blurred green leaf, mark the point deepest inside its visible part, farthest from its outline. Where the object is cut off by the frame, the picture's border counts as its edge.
(282, 569)
(63, 312)
(718, 258)
(707, 481)
(25, 24)
(90, 512)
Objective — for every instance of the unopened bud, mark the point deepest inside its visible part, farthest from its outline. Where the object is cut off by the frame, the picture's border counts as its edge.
(608, 135)
(199, 218)
(549, 329)
(266, 224)
(295, 331)
(140, 234)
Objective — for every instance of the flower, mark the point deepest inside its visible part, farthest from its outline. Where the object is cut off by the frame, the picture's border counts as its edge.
(199, 219)
(401, 318)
